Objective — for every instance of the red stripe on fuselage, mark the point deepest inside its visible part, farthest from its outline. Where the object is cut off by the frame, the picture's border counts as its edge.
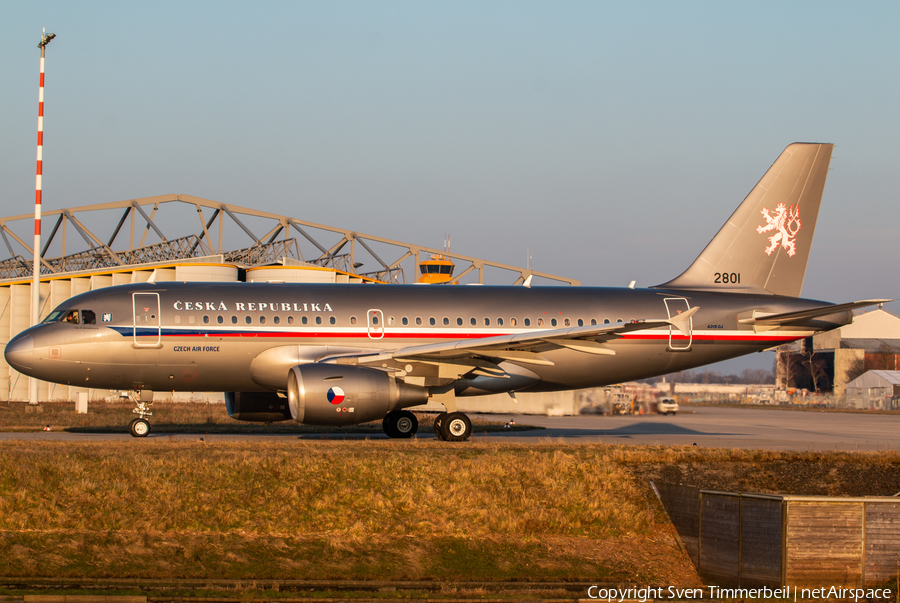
(463, 336)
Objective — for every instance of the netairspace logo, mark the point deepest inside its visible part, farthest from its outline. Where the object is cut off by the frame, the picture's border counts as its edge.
(657, 593)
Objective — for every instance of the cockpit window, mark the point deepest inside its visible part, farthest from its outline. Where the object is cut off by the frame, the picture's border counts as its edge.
(88, 317)
(54, 316)
(71, 317)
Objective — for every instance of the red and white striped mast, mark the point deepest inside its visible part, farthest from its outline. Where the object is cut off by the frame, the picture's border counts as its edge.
(36, 271)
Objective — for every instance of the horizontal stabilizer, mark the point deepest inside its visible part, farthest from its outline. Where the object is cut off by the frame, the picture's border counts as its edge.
(788, 317)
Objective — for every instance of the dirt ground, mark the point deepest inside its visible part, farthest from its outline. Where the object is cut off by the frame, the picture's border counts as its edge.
(838, 476)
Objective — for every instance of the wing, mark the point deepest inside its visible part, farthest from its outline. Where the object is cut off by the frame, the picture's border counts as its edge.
(483, 354)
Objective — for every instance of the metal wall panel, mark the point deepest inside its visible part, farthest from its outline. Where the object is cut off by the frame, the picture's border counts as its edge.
(761, 533)
(682, 504)
(720, 537)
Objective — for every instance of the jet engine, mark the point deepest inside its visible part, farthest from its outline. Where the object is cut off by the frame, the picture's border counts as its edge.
(259, 407)
(331, 394)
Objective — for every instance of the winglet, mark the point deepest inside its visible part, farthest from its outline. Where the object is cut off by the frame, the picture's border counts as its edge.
(527, 282)
(682, 322)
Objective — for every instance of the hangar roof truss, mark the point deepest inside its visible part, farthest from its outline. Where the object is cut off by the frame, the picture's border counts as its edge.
(285, 237)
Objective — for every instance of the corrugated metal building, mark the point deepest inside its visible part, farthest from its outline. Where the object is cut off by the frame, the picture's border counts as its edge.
(875, 389)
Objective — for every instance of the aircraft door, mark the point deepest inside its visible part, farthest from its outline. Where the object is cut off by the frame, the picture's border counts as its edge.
(146, 319)
(375, 322)
(674, 307)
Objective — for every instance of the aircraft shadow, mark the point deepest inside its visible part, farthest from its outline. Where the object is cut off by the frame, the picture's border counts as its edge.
(636, 429)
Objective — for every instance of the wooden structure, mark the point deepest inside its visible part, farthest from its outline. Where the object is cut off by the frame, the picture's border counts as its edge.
(755, 540)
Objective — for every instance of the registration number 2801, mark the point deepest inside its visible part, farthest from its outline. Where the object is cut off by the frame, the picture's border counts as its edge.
(728, 277)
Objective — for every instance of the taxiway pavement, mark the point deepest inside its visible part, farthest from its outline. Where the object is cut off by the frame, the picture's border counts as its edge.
(770, 429)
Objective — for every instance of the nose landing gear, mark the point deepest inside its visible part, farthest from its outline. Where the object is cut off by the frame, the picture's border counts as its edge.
(140, 426)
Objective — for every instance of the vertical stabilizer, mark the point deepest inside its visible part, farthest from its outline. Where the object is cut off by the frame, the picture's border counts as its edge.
(765, 244)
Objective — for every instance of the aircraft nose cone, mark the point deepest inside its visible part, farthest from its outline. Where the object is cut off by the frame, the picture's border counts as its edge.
(20, 353)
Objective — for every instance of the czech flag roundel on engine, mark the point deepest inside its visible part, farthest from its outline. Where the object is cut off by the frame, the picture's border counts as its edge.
(335, 395)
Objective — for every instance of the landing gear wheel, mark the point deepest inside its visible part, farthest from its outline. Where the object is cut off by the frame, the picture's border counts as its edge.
(438, 421)
(456, 427)
(405, 424)
(388, 426)
(139, 428)
(400, 424)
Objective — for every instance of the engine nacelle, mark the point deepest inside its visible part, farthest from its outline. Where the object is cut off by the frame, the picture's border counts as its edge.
(333, 394)
(258, 407)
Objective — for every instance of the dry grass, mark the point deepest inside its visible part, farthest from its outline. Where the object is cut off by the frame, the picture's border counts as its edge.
(364, 509)
(368, 509)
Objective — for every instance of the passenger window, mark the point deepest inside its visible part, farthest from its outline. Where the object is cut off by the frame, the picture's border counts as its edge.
(619, 320)
(220, 320)
(459, 322)
(432, 321)
(405, 321)
(418, 320)
(248, 319)
(473, 321)
(374, 319)
(206, 320)
(303, 320)
(499, 322)
(446, 322)
(234, 320)
(527, 322)
(606, 321)
(72, 317)
(290, 320)
(177, 319)
(552, 322)
(331, 320)
(88, 317)
(540, 322)
(319, 320)
(192, 319)
(262, 320)
(352, 320)
(276, 320)
(567, 322)
(512, 322)
(593, 321)
(390, 321)
(580, 322)
(487, 322)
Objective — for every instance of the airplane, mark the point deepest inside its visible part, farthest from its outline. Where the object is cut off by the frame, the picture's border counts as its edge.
(336, 354)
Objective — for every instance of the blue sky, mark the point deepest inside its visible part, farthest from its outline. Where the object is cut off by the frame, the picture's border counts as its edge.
(611, 140)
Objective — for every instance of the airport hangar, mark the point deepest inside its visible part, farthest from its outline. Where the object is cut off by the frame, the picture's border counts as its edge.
(276, 249)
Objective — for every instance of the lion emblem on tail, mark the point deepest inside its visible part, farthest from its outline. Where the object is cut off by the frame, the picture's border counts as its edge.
(786, 224)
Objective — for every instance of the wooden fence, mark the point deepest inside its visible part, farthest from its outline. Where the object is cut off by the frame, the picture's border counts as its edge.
(754, 540)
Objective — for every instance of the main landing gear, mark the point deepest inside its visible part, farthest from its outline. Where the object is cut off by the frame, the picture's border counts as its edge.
(452, 427)
(400, 424)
